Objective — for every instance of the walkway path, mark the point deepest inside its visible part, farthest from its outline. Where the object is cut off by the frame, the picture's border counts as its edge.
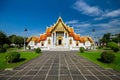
(59, 66)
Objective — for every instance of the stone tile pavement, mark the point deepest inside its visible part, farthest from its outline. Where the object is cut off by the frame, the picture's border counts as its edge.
(59, 65)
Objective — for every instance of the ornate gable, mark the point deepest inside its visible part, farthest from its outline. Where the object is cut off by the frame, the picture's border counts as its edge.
(60, 26)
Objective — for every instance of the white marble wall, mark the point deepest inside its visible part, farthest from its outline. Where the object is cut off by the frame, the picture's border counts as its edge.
(65, 42)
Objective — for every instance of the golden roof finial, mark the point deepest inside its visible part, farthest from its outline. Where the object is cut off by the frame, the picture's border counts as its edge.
(60, 18)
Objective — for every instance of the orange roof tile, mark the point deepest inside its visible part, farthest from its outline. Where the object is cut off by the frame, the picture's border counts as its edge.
(85, 38)
(81, 40)
(48, 31)
(76, 37)
(33, 38)
(42, 37)
(70, 29)
(90, 39)
(71, 34)
(38, 40)
(28, 39)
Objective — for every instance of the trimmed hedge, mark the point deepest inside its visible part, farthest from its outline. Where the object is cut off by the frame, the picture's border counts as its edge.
(38, 50)
(113, 46)
(107, 57)
(12, 57)
(82, 49)
(115, 49)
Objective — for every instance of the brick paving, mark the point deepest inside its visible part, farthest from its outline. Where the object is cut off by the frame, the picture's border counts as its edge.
(59, 65)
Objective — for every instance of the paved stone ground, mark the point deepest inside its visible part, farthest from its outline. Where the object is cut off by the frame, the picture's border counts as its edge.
(56, 65)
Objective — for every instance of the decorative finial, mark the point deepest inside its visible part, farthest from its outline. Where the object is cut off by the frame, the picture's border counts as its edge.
(60, 17)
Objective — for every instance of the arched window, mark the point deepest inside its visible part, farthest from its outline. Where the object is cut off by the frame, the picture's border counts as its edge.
(42, 44)
(76, 43)
(70, 41)
(49, 41)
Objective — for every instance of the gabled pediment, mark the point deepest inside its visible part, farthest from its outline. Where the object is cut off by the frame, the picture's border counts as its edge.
(60, 26)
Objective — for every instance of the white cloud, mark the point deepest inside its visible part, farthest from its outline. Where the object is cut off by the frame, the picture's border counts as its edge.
(87, 9)
(72, 22)
(84, 25)
(77, 24)
(99, 18)
(113, 23)
(110, 24)
(84, 8)
(109, 30)
(114, 13)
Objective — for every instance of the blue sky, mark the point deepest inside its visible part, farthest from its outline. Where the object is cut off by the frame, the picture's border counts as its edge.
(83, 15)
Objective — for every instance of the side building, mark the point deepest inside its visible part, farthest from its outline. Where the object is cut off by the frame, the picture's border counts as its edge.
(60, 36)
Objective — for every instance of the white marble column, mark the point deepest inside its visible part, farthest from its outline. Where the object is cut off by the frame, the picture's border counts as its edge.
(55, 38)
(64, 39)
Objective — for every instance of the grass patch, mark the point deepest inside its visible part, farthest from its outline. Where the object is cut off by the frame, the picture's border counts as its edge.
(25, 57)
(94, 55)
(14, 49)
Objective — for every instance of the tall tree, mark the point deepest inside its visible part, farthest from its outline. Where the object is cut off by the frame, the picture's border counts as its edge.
(106, 38)
(3, 39)
(18, 40)
(116, 38)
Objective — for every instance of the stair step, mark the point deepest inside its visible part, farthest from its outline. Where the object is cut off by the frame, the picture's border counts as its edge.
(59, 49)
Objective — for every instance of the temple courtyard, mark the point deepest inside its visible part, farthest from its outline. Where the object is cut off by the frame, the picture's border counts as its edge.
(59, 65)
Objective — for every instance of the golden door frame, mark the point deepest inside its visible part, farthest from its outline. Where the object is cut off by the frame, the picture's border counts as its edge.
(59, 40)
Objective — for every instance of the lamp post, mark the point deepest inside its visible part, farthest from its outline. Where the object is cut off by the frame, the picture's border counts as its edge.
(93, 30)
(25, 30)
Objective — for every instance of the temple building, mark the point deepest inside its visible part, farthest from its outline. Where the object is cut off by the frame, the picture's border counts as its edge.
(60, 36)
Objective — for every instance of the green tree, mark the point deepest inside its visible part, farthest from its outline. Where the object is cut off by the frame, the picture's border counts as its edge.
(3, 39)
(106, 38)
(12, 38)
(18, 40)
(116, 38)
(113, 46)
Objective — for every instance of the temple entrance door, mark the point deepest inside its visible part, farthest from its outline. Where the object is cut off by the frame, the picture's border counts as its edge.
(59, 42)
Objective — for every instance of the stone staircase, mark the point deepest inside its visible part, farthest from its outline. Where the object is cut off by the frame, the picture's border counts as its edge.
(59, 48)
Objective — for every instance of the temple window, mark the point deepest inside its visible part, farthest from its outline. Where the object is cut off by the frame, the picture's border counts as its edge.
(42, 44)
(31, 43)
(53, 37)
(83, 43)
(65, 35)
(49, 41)
(70, 41)
(35, 43)
(76, 43)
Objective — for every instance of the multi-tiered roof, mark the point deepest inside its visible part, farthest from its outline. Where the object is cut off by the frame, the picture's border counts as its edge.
(70, 30)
